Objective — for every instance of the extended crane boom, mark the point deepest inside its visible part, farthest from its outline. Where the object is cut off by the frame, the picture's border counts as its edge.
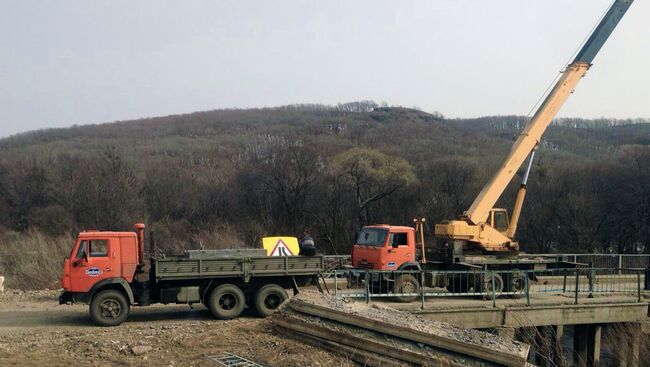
(484, 228)
(481, 238)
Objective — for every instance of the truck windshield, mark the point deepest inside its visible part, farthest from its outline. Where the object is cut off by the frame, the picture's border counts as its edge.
(372, 237)
(81, 253)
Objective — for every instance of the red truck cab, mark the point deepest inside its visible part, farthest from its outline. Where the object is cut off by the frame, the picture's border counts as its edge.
(385, 247)
(101, 259)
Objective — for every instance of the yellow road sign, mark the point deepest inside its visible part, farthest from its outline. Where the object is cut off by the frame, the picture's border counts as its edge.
(281, 246)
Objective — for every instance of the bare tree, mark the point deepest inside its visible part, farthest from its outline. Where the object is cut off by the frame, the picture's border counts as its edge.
(372, 175)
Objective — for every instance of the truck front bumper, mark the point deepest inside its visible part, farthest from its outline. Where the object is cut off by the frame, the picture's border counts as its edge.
(73, 297)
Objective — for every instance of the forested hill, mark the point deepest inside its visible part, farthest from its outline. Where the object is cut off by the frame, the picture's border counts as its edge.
(228, 177)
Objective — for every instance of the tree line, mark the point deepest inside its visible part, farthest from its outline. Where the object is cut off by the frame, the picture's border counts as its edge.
(226, 178)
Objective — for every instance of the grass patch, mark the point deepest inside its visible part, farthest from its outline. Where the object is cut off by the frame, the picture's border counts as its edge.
(32, 260)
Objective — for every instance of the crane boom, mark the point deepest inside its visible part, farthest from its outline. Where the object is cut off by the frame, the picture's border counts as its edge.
(526, 142)
(477, 225)
(532, 134)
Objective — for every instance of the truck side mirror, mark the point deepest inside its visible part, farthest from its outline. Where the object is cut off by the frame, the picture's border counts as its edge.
(394, 244)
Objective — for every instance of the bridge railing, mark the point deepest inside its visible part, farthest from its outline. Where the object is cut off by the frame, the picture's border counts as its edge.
(529, 285)
(620, 261)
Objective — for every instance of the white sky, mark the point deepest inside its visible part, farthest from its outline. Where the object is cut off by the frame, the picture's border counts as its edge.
(76, 62)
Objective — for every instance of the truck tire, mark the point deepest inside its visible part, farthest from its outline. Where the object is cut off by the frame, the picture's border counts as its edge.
(406, 283)
(487, 285)
(226, 301)
(517, 283)
(269, 298)
(109, 308)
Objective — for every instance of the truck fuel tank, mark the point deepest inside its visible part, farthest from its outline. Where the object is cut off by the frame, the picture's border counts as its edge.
(180, 295)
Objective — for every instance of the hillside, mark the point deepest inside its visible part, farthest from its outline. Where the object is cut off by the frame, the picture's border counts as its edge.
(229, 177)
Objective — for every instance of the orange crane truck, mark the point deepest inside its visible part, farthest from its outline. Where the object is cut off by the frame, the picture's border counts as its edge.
(106, 270)
(483, 237)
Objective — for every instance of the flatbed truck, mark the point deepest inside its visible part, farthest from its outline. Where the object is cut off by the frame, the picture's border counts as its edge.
(107, 271)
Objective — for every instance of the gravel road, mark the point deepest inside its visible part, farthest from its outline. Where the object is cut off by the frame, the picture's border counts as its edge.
(36, 331)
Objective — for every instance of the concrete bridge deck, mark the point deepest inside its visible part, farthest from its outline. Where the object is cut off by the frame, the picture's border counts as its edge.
(544, 310)
(548, 314)
(617, 299)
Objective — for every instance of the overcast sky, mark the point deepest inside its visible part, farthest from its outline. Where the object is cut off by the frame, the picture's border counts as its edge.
(77, 62)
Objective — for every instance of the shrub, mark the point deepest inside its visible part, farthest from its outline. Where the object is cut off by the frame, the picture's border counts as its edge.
(32, 260)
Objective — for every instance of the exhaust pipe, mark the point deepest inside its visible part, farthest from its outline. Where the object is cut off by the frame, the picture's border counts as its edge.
(139, 228)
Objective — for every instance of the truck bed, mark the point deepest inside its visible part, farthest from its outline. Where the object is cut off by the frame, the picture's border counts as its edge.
(172, 268)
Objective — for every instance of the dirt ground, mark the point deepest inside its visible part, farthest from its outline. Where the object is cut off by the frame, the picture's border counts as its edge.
(36, 331)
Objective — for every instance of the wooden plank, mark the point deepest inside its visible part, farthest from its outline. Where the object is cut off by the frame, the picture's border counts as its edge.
(457, 346)
(355, 354)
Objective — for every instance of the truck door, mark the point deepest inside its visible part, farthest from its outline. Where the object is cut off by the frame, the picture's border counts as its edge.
(399, 251)
(94, 261)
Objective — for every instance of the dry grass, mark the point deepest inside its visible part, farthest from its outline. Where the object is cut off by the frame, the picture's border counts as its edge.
(544, 345)
(618, 346)
(32, 260)
(173, 237)
(221, 237)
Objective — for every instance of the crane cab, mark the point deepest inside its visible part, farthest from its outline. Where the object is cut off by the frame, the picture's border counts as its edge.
(498, 219)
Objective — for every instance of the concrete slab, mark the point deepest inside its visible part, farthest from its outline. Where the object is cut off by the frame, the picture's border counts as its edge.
(540, 315)
(576, 314)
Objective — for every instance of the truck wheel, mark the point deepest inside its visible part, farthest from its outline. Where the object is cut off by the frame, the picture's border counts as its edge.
(269, 298)
(226, 302)
(406, 283)
(517, 283)
(487, 284)
(109, 308)
(461, 283)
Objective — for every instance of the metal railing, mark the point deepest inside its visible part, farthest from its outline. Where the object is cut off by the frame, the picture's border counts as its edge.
(620, 261)
(488, 284)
